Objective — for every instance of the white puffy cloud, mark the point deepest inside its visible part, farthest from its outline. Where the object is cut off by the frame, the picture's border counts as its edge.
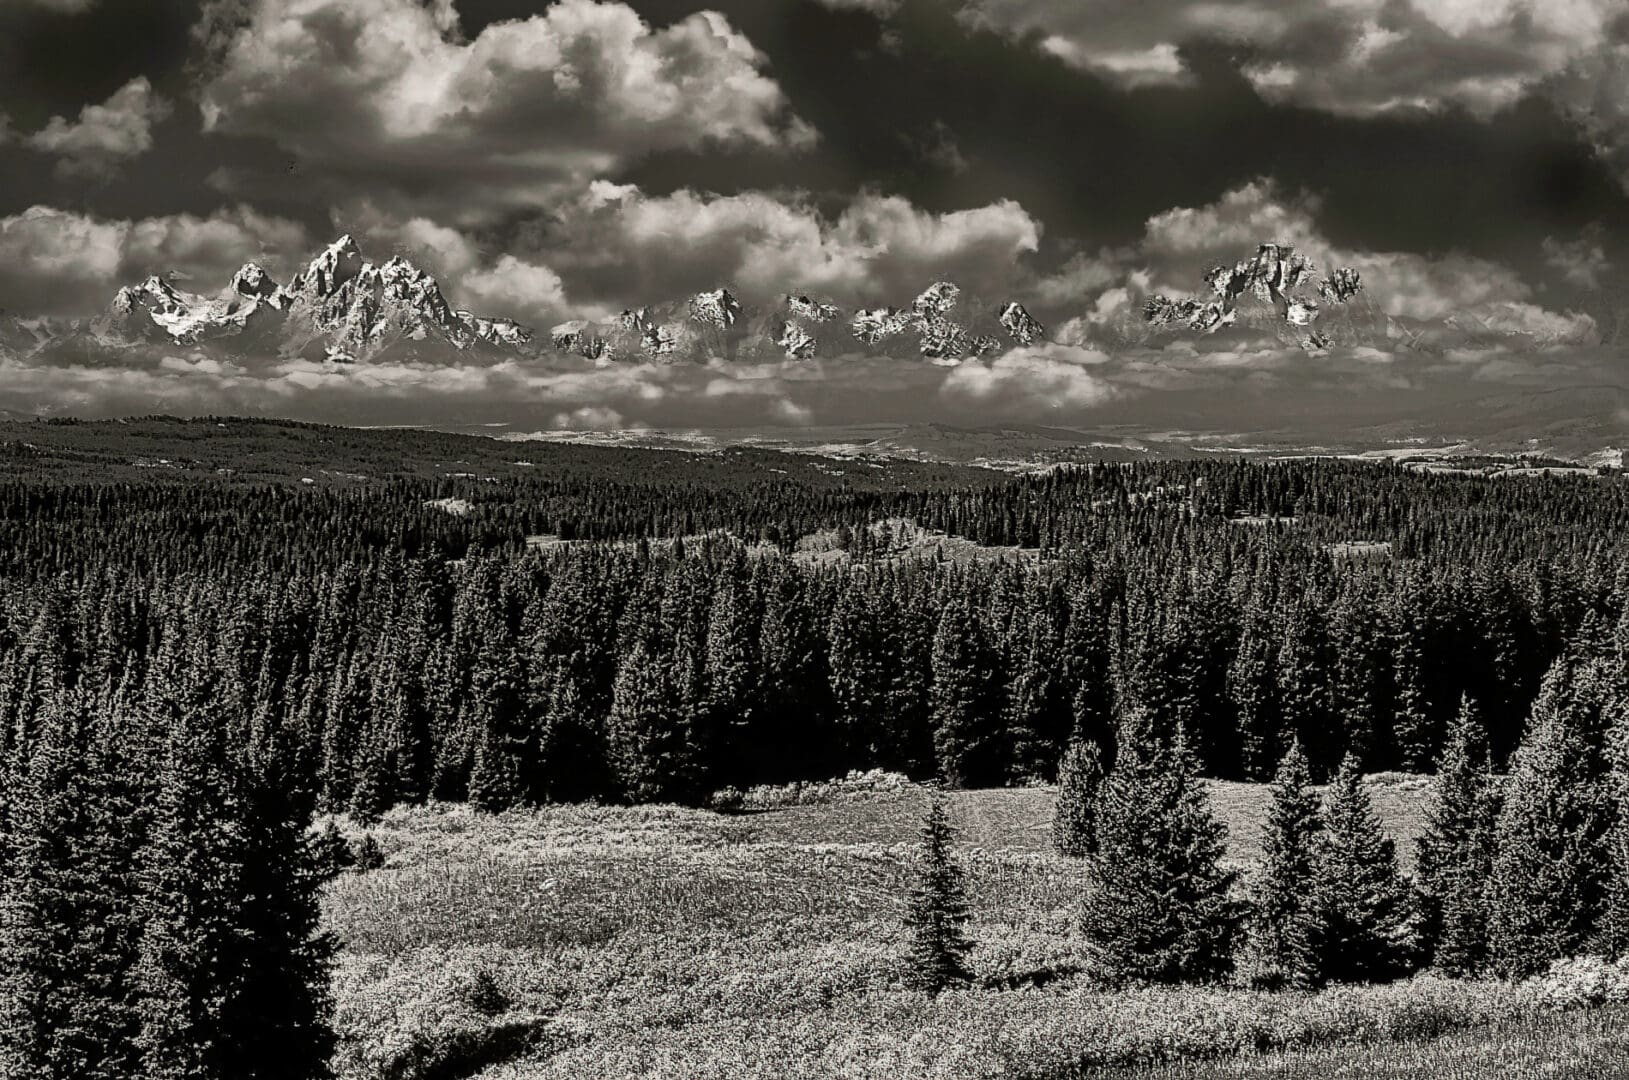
(621, 243)
(106, 135)
(59, 261)
(1354, 56)
(1032, 381)
(385, 97)
(1180, 244)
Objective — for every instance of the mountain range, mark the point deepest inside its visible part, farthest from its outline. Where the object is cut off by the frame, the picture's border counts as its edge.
(343, 308)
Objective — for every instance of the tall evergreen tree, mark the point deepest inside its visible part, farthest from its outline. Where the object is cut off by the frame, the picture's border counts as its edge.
(1455, 856)
(646, 733)
(937, 913)
(1157, 907)
(1548, 880)
(1365, 928)
(67, 918)
(231, 981)
(1284, 919)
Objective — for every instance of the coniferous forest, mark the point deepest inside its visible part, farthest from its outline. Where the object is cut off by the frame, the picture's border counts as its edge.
(194, 663)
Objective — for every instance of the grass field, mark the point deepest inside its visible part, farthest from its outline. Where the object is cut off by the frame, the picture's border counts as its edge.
(665, 942)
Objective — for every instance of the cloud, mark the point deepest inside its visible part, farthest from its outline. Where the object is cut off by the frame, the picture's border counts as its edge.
(1581, 261)
(1180, 244)
(1347, 56)
(620, 243)
(1032, 381)
(590, 418)
(61, 262)
(104, 136)
(384, 97)
(64, 7)
(1594, 90)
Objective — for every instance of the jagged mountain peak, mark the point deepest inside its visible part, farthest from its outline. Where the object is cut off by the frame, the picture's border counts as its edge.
(340, 306)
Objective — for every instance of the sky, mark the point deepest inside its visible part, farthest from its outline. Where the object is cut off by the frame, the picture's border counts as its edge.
(556, 160)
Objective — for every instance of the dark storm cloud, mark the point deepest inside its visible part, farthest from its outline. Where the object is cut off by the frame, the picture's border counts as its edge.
(1093, 159)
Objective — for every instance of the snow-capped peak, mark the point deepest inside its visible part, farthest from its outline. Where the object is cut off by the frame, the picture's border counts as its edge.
(253, 281)
(716, 308)
(339, 263)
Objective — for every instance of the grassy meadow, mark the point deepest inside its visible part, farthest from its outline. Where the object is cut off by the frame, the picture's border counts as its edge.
(598, 942)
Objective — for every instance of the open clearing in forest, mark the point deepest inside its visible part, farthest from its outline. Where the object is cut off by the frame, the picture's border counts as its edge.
(659, 941)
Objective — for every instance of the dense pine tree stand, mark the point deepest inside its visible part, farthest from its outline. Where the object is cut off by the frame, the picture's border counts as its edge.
(938, 911)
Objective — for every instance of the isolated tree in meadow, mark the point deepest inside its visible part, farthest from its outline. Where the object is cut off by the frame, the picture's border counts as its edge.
(1364, 927)
(1455, 855)
(937, 912)
(1157, 907)
(1284, 918)
(1074, 817)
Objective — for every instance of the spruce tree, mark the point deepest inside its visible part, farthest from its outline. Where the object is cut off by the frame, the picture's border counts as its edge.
(1074, 817)
(1364, 920)
(646, 732)
(1284, 919)
(1157, 907)
(1455, 855)
(1551, 859)
(1612, 934)
(967, 720)
(938, 911)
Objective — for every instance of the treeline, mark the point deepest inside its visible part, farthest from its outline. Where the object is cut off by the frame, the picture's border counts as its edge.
(665, 674)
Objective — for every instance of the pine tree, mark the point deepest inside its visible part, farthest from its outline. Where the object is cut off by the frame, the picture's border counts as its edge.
(1074, 818)
(1612, 934)
(967, 719)
(1364, 921)
(1551, 860)
(938, 911)
(1157, 908)
(494, 778)
(1455, 856)
(646, 732)
(1284, 920)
